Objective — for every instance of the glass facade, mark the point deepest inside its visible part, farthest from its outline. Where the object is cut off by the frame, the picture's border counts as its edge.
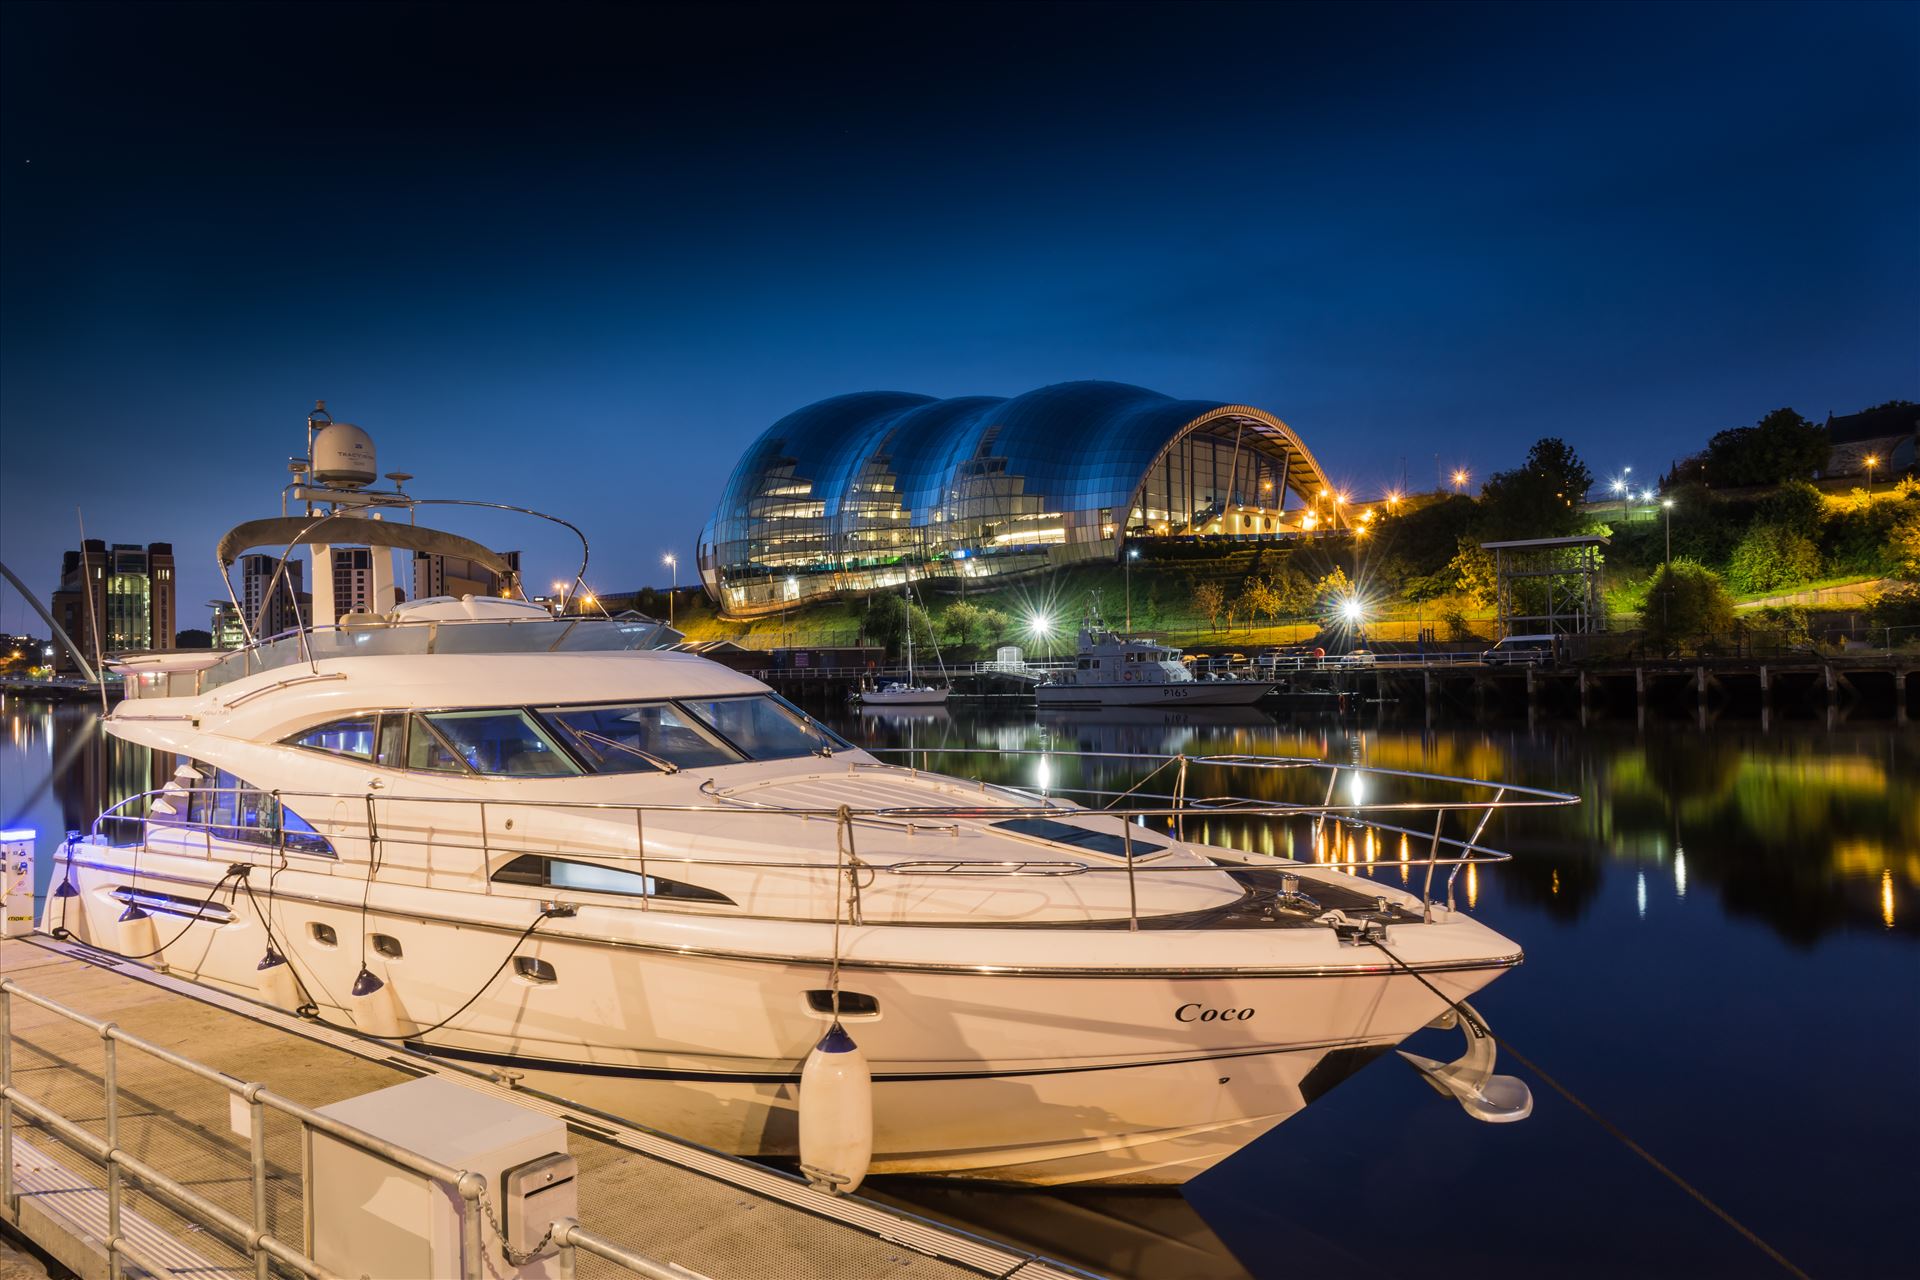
(865, 491)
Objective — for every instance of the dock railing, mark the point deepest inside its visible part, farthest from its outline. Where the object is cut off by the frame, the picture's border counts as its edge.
(253, 1238)
(388, 823)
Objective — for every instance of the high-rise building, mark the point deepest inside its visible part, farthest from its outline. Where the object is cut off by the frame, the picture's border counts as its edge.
(442, 575)
(124, 589)
(270, 617)
(353, 580)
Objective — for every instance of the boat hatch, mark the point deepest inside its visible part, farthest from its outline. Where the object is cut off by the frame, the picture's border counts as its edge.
(1140, 842)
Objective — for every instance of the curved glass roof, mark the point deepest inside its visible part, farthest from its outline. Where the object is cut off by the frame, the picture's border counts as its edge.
(878, 479)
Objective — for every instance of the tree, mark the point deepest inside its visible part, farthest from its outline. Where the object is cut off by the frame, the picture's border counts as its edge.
(1542, 498)
(1772, 556)
(1903, 543)
(888, 620)
(1260, 598)
(1333, 590)
(1686, 600)
(1292, 589)
(1473, 573)
(1208, 601)
(1781, 446)
(959, 620)
(1794, 505)
(193, 638)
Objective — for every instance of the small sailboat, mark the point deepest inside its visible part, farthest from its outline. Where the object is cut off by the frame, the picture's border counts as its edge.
(909, 692)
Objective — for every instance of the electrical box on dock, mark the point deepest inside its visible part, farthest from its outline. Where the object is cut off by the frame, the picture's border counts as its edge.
(368, 1216)
(16, 883)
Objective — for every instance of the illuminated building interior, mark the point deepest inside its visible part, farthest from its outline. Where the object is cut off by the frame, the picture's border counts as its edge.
(866, 491)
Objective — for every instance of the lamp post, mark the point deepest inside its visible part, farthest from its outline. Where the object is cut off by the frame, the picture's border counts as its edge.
(1460, 478)
(673, 563)
(1666, 597)
(1133, 553)
(1873, 460)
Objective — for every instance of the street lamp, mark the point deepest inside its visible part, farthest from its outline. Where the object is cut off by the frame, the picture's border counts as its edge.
(672, 562)
(1133, 553)
(1666, 597)
(1460, 478)
(1873, 460)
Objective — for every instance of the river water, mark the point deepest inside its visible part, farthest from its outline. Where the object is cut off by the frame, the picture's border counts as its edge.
(1723, 960)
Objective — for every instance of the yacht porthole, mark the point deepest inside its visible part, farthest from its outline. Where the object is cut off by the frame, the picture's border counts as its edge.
(324, 935)
(534, 970)
(387, 945)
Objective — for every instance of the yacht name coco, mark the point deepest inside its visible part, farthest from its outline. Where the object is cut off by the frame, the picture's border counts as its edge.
(646, 882)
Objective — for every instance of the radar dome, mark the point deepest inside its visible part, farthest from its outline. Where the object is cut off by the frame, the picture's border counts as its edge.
(343, 457)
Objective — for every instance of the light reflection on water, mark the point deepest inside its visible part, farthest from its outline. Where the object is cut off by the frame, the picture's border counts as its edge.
(1720, 959)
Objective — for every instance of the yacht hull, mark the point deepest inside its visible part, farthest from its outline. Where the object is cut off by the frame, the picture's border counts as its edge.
(905, 698)
(1011, 1074)
(1195, 693)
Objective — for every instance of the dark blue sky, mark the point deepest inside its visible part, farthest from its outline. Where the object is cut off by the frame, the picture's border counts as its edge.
(579, 258)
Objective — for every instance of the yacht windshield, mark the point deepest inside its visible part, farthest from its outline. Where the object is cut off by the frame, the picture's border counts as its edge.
(638, 737)
(763, 727)
(503, 743)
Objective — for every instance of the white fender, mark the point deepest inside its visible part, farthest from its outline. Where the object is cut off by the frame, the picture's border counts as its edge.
(275, 983)
(375, 1007)
(137, 935)
(836, 1114)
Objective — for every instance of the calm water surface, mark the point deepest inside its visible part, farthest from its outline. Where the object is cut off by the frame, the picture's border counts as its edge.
(1723, 957)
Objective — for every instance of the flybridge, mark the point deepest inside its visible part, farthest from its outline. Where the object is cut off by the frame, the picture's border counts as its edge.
(336, 505)
(438, 625)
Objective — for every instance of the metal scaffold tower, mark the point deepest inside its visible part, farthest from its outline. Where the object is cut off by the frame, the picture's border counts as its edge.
(1549, 586)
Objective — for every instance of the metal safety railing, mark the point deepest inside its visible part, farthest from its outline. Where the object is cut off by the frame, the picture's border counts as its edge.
(393, 821)
(253, 1238)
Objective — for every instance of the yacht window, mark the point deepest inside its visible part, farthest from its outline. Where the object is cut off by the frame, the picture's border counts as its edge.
(392, 753)
(1081, 838)
(426, 751)
(765, 727)
(1083, 664)
(637, 737)
(503, 743)
(543, 872)
(230, 809)
(350, 737)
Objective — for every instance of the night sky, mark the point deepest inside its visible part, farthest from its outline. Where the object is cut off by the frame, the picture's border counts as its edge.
(577, 259)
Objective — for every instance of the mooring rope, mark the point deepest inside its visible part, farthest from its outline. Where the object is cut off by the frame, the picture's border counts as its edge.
(1478, 1026)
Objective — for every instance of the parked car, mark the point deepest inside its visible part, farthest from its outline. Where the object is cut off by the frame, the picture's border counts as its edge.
(1538, 651)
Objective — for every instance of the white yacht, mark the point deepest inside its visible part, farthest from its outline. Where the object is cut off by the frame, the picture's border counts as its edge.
(1113, 670)
(645, 882)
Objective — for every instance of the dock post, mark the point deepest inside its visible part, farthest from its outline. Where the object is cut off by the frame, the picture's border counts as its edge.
(7, 1205)
(257, 1135)
(1833, 686)
(110, 1086)
(1900, 697)
(1640, 686)
(1766, 685)
(1531, 691)
(1700, 679)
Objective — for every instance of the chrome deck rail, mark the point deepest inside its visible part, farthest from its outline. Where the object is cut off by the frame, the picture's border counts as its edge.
(254, 1238)
(1357, 828)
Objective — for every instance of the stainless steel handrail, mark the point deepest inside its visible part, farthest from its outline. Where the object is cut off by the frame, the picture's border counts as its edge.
(1180, 808)
(253, 1238)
